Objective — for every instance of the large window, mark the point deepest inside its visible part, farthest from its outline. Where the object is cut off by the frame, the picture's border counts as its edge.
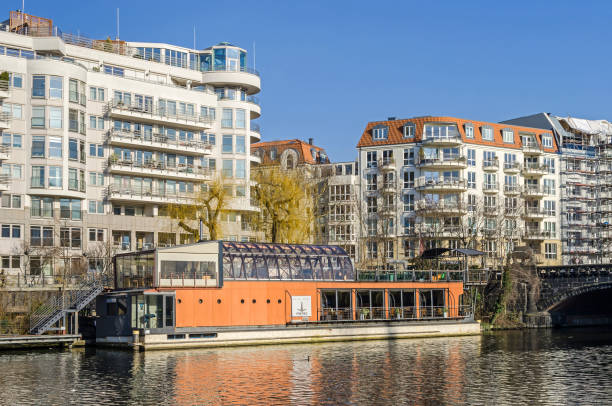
(508, 136)
(38, 86)
(336, 305)
(228, 168)
(228, 144)
(240, 118)
(240, 144)
(441, 131)
(55, 176)
(41, 206)
(55, 87)
(38, 176)
(55, 147)
(380, 132)
(70, 237)
(487, 133)
(38, 117)
(240, 169)
(55, 117)
(227, 119)
(41, 236)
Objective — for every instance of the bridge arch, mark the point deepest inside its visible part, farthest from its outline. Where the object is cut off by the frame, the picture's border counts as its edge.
(562, 295)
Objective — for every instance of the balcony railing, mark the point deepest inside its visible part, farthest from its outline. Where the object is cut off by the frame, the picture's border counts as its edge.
(531, 147)
(255, 128)
(534, 212)
(254, 100)
(456, 160)
(179, 169)
(440, 206)
(512, 166)
(490, 164)
(535, 169)
(157, 112)
(533, 190)
(77, 97)
(145, 193)
(509, 189)
(490, 187)
(164, 140)
(441, 183)
(447, 139)
(386, 163)
(4, 85)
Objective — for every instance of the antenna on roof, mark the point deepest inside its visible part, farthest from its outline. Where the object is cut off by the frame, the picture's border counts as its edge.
(22, 9)
(194, 43)
(253, 54)
(117, 23)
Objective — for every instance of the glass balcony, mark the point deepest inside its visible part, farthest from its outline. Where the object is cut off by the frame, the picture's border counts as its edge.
(4, 89)
(158, 169)
(5, 120)
(490, 164)
(533, 191)
(490, 187)
(441, 184)
(512, 167)
(158, 142)
(147, 113)
(153, 195)
(441, 207)
(533, 169)
(532, 148)
(448, 162)
(5, 182)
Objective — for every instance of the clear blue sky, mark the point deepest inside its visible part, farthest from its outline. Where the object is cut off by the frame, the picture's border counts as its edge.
(329, 67)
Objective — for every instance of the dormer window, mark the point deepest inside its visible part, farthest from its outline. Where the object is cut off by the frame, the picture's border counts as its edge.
(469, 131)
(409, 130)
(547, 141)
(487, 133)
(380, 132)
(508, 135)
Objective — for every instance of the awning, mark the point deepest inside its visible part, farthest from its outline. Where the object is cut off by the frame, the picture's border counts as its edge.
(436, 252)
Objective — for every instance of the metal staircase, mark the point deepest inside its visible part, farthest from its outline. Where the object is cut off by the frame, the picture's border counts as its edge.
(57, 307)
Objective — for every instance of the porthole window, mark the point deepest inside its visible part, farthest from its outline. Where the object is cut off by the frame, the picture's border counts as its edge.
(241, 300)
(201, 301)
(179, 301)
(268, 301)
(254, 301)
(218, 301)
(279, 301)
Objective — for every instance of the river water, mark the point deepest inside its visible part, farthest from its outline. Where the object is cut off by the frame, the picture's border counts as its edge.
(551, 367)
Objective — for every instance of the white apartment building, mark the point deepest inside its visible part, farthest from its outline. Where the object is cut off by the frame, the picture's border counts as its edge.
(100, 136)
(446, 182)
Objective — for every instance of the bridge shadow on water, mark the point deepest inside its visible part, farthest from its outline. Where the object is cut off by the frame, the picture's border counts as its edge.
(590, 308)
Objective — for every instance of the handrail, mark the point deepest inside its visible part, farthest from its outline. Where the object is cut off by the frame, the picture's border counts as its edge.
(4, 85)
(159, 138)
(156, 111)
(146, 192)
(161, 166)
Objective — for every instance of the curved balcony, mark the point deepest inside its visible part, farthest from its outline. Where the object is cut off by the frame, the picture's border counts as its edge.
(255, 107)
(133, 194)
(5, 152)
(512, 167)
(145, 113)
(5, 120)
(255, 133)
(454, 162)
(254, 158)
(535, 235)
(533, 213)
(5, 182)
(534, 170)
(446, 141)
(223, 75)
(158, 169)
(512, 190)
(491, 187)
(4, 89)
(441, 185)
(440, 208)
(533, 191)
(490, 165)
(158, 142)
(386, 164)
(532, 148)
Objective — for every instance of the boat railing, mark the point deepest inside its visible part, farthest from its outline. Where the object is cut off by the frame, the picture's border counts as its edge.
(411, 275)
(413, 312)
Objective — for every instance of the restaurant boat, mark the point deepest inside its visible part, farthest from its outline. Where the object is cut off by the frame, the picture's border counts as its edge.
(221, 293)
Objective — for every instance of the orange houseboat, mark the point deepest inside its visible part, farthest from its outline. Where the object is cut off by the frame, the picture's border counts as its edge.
(230, 293)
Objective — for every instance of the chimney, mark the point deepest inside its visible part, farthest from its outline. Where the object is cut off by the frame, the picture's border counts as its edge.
(390, 118)
(310, 141)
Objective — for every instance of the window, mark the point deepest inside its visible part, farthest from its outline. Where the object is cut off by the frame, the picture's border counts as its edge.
(226, 119)
(11, 201)
(549, 186)
(14, 110)
(550, 207)
(408, 180)
(371, 182)
(471, 179)
(547, 141)
(96, 150)
(371, 159)
(471, 203)
(73, 149)
(38, 176)
(380, 132)
(489, 158)
(469, 131)
(9, 261)
(549, 163)
(38, 117)
(41, 236)
(55, 117)
(96, 94)
(228, 168)
(409, 130)
(38, 87)
(96, 178)
(15, 79)
(240, 118)
(73, 90)
(550, 251)
(96, 234)
(12, 171)
(471, 157)
(55, 176)
(11, 231)
(372, 249)
(240, 169)
(409, 156)
(41, 206)
(408, 202)
(441, 131)
(55, 87)
(70, 237)
(508, 136)
(487, 133)
(12, 140)
(228, 144)
(96, 207)
(240, 144)
(509, 160)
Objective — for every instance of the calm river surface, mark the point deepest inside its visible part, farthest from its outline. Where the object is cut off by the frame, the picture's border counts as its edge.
(517, 367)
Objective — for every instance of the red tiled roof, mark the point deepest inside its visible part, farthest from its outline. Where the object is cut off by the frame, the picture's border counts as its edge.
(396, 133)
(302, 148)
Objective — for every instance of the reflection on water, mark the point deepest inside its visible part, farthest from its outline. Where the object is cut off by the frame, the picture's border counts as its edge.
(518, 367)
